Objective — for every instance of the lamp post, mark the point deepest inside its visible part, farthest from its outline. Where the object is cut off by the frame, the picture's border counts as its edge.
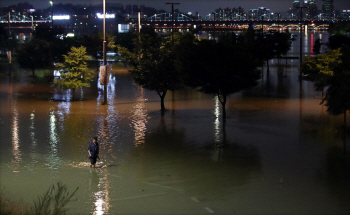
(32, 23)
(104, 54)
(301, 36)
(9, 24)
(51, 3)
(9, 55)
(172, 20)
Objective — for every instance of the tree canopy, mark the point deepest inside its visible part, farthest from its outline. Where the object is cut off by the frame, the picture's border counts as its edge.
(34, 54)
(153, 64)
(222, 68)
(74, 71)
(320, 69)
(94, 45)
(337, 97)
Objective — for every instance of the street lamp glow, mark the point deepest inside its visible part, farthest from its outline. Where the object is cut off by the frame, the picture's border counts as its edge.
(108, 16)
(60, 17)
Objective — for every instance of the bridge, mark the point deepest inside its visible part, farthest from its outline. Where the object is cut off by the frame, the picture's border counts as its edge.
(184, 21)
(24, 23)
(163, 21)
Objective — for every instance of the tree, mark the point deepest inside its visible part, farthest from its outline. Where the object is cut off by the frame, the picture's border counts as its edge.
(74, 71)
(272, 45)
(45, 32)
(34, 54)
(53, 36)
(338, 41)
(320, 69)
(265, 46)
(332, 69)
(339, 28)
(153, 65)
(125, 40)
(94, 45)
(222, 69)
(7, 41)
(317, 46)
(337, 97)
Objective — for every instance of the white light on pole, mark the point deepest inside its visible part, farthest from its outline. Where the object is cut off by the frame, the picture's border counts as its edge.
(60, 17)
(104, 53)
(51, 3)
(108, 16)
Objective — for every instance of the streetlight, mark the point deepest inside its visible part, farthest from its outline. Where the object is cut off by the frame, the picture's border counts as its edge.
(32, 23)
(301, 35)
(104, 54)
(51, 3)
(278, 21)
(172, 20)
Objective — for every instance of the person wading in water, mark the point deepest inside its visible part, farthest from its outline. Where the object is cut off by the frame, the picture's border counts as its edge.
(93, 150)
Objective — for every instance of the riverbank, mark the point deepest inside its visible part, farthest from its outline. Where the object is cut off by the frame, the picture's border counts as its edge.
(9, 206)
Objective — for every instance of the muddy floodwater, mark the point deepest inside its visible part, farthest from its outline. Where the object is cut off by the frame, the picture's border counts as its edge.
(282, 151)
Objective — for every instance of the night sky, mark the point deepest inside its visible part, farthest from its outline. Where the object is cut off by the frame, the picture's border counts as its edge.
(203, 7)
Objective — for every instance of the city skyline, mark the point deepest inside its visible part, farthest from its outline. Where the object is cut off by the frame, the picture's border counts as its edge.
(201, 6)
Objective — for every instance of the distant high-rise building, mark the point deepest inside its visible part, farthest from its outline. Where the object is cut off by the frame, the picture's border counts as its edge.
(128, 9)
(327, 7)
(295, 8)
(296, 4)
(135, 9)
(312, 9)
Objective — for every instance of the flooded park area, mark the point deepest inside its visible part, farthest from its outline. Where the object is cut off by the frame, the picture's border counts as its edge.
(282, 151)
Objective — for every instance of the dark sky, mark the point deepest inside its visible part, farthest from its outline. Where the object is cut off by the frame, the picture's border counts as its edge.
(203, 7)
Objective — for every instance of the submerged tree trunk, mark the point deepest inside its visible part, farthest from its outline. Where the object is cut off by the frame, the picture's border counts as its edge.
(345, 131)
(223, 104)
(162, 106)
(322, 92)
(268, 66)
(73, 94)
(224, 139)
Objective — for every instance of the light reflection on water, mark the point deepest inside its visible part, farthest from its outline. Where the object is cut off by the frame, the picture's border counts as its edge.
(217, 120)
(16, 152)
(139, 118)
(102, 197)
(34, 155)
(53, 159)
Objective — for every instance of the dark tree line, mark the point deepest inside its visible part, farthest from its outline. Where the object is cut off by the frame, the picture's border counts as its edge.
(163, 63)
(223, 67)
(48, 47)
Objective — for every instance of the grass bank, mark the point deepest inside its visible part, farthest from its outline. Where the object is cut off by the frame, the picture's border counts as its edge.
(52, 202)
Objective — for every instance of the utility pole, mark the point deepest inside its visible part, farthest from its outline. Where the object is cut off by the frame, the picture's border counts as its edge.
(301, 35)
(104, 54)
(51, 2)
(301, 50)
(9, 54)
(9, 24)
(278, 21)
(172, 20)
(262, 25)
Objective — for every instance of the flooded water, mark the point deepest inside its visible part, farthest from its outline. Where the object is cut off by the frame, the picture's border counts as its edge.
(282, 156)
